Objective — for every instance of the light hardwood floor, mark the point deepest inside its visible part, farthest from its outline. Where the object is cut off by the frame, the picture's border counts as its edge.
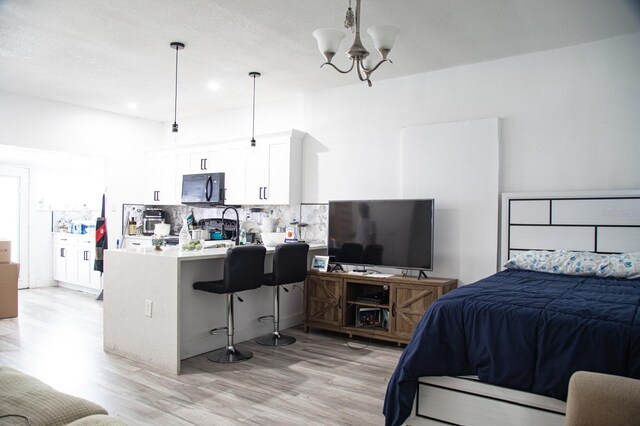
(319, 380)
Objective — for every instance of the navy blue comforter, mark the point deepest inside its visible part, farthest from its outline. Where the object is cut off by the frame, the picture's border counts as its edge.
(523, 330)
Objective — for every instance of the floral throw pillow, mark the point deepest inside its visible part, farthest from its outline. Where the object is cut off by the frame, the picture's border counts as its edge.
(624, 265)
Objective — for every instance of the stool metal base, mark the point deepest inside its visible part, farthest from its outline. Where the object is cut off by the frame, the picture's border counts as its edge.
(229, 355)
(275, 339)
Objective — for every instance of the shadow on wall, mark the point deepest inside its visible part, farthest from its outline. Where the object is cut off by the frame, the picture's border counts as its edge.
(447, 242)
(311, 148)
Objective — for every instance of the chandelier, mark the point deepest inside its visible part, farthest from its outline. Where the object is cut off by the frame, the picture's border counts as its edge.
(383, 37)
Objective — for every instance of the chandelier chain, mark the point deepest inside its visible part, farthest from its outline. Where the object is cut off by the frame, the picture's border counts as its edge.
(349, 20)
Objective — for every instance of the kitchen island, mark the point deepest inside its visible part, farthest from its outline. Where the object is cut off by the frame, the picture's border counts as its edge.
(153, 316)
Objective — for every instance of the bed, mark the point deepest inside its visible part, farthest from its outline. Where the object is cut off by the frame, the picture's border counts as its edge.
(522, 333)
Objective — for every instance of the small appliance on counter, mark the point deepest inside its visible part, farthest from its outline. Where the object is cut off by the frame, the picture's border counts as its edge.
(203, 189)
(151, 217)
(218, 230)
(295, 232)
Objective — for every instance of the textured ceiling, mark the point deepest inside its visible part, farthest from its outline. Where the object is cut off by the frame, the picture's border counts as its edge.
(106, 54)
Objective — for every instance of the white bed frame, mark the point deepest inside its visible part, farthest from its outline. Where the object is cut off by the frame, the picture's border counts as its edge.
(603, 222)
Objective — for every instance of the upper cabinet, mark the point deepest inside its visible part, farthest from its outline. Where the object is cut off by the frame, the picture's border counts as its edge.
(274, 171)
(269, 173)
(161, 182)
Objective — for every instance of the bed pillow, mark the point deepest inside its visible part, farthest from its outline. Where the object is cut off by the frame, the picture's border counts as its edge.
(624, 265)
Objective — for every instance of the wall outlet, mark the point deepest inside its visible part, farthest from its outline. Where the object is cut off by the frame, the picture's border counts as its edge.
(148, 305)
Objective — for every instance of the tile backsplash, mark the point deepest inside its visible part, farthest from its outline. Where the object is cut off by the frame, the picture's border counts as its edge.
(314, 215)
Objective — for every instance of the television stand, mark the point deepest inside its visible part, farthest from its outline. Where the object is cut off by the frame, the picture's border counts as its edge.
(421, 272)
(389, 306)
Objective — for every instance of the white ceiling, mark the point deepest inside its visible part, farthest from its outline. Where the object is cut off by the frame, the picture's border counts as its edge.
(106, 54)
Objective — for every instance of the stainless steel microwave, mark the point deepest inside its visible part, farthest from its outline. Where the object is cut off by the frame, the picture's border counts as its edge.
(205, 189)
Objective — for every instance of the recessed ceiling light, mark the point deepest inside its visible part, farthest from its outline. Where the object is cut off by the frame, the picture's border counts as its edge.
(214, 86)
(132, 105)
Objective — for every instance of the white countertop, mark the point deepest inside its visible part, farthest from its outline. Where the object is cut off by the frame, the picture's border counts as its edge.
(174, 252)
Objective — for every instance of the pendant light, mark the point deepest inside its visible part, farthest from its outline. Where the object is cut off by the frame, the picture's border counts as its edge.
(255, 75)
(178, 46)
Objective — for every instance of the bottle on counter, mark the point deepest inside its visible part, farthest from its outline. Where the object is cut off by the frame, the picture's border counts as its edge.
(132, 226)
(184, 237)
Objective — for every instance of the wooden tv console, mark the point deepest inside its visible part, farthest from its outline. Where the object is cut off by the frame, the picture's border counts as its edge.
(334, 301)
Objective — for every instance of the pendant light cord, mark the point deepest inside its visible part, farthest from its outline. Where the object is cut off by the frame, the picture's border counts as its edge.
(253, 74)
(253, 124)
(175, 102)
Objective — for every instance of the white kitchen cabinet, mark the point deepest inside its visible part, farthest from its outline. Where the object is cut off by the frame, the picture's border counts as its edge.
(230, 160)
(74, 257)
(199, 163)
(161, 179)
(269, 173)
(273, 170)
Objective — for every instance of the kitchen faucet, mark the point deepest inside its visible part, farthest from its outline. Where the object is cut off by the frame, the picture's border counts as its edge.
(237, 223)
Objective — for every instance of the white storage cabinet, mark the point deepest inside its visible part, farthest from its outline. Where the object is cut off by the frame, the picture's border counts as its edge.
(74, 257)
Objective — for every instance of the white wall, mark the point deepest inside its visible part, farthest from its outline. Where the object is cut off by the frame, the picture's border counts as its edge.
(45, 131)
(570, 121)
(237, 123)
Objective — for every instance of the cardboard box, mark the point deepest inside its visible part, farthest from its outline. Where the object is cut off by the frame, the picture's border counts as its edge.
(9, 290)
(5, 251)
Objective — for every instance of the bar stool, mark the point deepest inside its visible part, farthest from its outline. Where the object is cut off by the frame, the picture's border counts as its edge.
(289, 266)
(243, 270)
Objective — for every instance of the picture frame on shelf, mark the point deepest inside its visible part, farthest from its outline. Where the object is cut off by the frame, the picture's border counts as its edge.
(320, 263)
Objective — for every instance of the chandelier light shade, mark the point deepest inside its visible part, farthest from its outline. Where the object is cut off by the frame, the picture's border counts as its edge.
(177, 46)
(254, 75)
(383, 36)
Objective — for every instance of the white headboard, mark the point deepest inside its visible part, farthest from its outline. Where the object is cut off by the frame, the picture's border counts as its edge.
(602, 222)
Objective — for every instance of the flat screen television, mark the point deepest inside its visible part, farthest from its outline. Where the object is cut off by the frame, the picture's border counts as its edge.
(392, 233)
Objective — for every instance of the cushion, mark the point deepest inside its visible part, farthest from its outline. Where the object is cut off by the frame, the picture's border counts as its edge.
(623, 265)
(27, 396)
(600, 399)
(98, 420)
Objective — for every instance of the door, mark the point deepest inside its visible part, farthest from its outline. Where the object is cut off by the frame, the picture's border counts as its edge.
(409, 303)
(14, 217)
(323, 297)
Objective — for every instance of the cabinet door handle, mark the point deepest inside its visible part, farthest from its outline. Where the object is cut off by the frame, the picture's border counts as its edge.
(265, 193)
(340, 302)
(158, 199)
(260, 193)
(393, 309)
(205, 164)
(62, 252)
(135, 244)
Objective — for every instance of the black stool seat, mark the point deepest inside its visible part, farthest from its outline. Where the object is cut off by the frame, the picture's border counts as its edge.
(243, 270)
(289, 266)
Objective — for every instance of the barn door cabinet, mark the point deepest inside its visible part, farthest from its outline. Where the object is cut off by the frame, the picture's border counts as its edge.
(347, 304)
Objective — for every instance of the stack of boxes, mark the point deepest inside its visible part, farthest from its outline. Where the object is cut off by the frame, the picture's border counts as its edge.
(8, 282)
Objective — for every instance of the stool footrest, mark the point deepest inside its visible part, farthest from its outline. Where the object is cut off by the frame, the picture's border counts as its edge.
(269, 318)
(219, 330)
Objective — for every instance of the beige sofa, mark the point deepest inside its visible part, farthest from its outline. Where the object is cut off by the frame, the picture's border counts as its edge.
(25, 400)
(600, 399)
